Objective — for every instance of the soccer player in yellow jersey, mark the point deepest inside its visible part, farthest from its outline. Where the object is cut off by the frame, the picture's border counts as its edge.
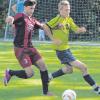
(58, 30)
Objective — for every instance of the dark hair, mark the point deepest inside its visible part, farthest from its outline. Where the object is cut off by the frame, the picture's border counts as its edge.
(29, 3)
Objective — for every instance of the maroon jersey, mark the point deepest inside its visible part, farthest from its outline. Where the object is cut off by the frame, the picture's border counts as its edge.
(24, 26)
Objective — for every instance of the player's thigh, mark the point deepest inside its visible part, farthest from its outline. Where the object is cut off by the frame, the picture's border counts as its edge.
(67, 69)
(26, 64)
(35, 56)
(40, 63)
(23, 59)
(78, 64)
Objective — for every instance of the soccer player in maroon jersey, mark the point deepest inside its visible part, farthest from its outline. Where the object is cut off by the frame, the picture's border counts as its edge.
(25, 52)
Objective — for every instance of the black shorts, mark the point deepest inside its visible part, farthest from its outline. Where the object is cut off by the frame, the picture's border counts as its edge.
(65, 56)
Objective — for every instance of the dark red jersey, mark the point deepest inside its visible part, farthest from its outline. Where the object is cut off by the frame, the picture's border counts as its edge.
(24, 26)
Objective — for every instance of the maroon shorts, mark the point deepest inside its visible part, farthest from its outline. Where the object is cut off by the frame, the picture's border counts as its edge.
(27, 57)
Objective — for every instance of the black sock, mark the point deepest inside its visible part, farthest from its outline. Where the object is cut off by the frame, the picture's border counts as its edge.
(44, 78)
(58, 73)
(89, 80)
(18, 73)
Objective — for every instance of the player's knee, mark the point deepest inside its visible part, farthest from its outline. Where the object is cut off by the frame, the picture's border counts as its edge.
(83, 68)
(43, 67)
(29, 75)
(68, 70)
(29, 72)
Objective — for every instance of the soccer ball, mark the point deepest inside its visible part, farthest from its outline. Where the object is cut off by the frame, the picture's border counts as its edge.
(69, 95)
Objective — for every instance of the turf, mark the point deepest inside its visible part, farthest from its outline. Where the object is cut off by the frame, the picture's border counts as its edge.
(30, 89)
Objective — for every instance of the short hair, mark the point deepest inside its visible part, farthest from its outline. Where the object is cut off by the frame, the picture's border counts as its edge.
(29, 3)
(62, 2)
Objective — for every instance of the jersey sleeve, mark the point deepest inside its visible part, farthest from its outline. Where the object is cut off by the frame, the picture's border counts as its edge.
(19, 19)
(37, 24)
(73, 26)
(53, 22)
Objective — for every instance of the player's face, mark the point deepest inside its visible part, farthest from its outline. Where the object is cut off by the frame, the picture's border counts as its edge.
(65, 10)
(30, 9)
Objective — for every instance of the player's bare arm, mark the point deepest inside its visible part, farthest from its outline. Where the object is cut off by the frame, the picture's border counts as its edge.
(47, 31)
(81, 30)
(14, 8)
(9, 20)
(49, 34)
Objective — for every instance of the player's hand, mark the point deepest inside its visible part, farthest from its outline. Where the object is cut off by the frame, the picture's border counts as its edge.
(9, 20)
(57, 42)
(81, 30)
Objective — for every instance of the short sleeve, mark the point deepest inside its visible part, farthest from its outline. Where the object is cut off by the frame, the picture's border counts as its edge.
(74, 27)
(53, 22)
(18, 18)
(37, 24)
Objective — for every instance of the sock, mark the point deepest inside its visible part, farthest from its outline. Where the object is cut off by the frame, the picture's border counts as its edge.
(18, 73)
(44, 78)
(89, 80)
(58, 73)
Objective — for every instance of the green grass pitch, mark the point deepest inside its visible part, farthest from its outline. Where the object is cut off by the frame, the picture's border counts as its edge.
(30, 89)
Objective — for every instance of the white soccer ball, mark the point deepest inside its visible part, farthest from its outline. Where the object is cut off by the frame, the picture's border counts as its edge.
(69, 95)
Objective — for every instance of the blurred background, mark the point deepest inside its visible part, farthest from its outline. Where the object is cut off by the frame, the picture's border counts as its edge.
(84, 12)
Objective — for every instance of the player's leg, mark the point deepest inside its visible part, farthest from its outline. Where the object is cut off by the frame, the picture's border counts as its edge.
(65, 57)
(25, 62)
(87, 77)
(26, 73)
(38, 62)
(44, 76)
(64, 70)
